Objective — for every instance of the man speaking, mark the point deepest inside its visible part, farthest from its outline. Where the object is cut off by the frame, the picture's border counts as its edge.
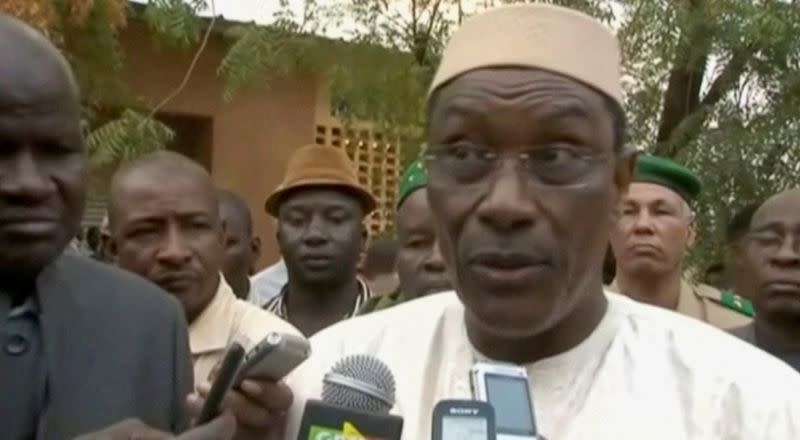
(526, 166)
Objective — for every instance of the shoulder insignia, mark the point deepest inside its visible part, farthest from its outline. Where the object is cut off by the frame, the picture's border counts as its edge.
(737, 303)
(726, 299)
(706, 291)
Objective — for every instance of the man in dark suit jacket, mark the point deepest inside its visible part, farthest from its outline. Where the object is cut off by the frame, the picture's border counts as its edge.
(82, 345)
(115, 347)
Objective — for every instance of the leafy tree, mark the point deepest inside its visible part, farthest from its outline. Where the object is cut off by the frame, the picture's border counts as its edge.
(716, 84)
(712, 83)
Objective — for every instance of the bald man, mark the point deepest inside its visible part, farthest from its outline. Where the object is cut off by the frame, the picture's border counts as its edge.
(85, 345)
(165, 226)
(770, 253)
(242, 248)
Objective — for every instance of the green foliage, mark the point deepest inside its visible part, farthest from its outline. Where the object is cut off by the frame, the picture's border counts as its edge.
(125, 138)
(257, 50)
(174, 22)
(94, 53)
(737, 124)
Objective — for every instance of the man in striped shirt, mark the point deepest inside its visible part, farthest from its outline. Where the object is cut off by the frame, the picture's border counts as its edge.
(320, 208)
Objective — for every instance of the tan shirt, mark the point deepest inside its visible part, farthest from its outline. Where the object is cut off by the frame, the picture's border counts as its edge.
(643, 373)
(704, 302)
(228, 319)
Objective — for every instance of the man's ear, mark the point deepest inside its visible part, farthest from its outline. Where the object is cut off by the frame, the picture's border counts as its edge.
(223, 231)
(364, 237)
(692, 233)
(110, 249)
(624, 172)
(255, 248)
(623, 176)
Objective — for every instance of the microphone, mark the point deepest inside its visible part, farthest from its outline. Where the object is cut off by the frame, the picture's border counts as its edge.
(357, 395)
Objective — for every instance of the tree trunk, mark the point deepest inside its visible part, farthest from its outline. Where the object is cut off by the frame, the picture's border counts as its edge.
(691, 124)
(682, 96)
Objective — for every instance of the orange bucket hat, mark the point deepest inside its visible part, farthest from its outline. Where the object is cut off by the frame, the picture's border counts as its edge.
(319, 166)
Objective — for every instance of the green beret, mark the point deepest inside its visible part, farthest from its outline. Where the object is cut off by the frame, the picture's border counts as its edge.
(665, 172)
(414, 178)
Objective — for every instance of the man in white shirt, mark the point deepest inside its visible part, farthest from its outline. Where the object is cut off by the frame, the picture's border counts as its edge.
(165, 226)
(526, 166)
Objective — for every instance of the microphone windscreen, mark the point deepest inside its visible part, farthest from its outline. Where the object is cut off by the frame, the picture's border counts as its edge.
(360, 382)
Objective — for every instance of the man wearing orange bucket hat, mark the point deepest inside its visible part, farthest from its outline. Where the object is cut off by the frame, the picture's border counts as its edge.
(320, 208)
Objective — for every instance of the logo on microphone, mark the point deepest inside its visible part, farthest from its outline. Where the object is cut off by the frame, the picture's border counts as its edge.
(348, 432)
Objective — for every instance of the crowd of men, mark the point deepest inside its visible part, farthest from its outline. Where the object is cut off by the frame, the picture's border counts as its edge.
(503, 228)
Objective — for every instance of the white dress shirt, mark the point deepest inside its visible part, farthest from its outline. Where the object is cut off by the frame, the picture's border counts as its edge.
(268, 283)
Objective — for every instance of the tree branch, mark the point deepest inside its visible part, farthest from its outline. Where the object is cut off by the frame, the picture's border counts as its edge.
(432, 20)
(421, 41)
(414, 17)
(691, 124)
(691, 57)
(622, 35)
(177, 91)
(728, 77)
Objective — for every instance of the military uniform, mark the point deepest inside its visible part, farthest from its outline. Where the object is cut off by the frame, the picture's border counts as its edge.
(720, 309)
(377, 303)
(724, 310)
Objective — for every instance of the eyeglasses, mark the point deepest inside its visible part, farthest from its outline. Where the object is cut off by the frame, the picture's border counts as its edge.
(549, 165)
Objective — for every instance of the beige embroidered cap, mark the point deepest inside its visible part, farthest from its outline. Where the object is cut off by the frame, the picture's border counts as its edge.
(540, 36)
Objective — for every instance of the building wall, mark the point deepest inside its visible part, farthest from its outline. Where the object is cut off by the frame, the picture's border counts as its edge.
(246, 143)
(376, 156)
(252, 136)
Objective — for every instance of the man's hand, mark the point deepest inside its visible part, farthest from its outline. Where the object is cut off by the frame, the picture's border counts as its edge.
(126, 430)
(222, 428)
(258, 404)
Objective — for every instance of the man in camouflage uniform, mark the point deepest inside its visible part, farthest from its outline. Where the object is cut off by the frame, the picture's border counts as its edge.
(654, 229)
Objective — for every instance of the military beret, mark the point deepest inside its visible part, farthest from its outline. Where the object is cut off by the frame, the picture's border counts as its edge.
(665, 172)
(414, 178)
